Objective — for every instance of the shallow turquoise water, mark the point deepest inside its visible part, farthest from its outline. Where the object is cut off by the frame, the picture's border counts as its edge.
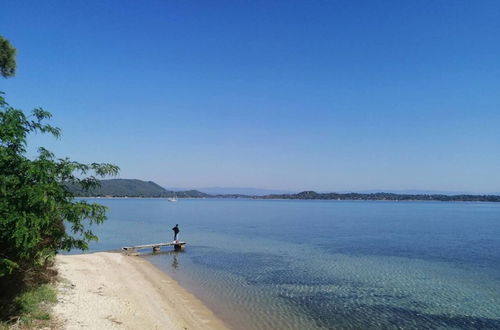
(325, 264)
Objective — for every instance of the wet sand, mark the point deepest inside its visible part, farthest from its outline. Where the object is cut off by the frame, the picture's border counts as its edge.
(109, 290)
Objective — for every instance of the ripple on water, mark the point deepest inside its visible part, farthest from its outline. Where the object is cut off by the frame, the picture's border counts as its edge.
(349, 292)
(364, 265)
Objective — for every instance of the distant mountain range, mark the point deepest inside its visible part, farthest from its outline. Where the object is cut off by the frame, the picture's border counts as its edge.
(139, 188)
(409, 192)
(237, 191)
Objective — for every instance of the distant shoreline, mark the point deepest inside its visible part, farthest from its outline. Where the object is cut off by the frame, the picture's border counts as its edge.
(460, 198)
(133, 188)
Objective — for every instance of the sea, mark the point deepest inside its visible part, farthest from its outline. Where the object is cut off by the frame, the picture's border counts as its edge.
(310, 264)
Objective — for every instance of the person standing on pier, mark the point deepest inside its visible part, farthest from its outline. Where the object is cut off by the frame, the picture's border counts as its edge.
(176, 232)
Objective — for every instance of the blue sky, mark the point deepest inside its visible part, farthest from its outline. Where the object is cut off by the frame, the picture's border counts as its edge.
(294, 95)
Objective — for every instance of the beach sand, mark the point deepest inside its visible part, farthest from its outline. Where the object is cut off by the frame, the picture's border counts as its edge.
(109, 290)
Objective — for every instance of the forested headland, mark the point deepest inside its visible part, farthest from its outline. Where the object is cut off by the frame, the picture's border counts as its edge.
(131, 188)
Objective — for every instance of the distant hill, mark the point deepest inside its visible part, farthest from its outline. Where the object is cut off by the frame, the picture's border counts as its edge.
(132, 188)
(409, 192)
(245, 191)
(381, 196)
(189, 193)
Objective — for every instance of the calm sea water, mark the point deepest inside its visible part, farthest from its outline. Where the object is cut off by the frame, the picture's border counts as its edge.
(325, 264)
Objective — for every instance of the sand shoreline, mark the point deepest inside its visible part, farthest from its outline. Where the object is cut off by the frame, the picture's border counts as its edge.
(108, 290)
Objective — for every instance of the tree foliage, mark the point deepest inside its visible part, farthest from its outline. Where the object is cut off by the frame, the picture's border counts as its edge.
(38, 215)
(7, 58)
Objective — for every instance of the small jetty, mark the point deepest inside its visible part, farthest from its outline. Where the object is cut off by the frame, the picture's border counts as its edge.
(178, 245)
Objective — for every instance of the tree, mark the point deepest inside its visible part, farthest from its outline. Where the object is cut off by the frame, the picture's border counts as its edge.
(38, 215)
(35, 205)
(7, 58)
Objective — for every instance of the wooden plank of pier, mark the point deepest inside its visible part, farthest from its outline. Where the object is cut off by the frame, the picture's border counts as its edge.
(156, 246)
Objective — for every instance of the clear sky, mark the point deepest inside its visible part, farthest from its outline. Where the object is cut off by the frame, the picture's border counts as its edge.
(295, 95)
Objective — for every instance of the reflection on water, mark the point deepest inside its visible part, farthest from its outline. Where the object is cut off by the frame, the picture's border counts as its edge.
(363, 265)
(175, 262)
(165, 254)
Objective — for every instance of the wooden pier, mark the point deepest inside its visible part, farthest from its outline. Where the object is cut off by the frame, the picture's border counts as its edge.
(178, 245)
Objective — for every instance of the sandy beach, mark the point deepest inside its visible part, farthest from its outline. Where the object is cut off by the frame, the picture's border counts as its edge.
(113, 291)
